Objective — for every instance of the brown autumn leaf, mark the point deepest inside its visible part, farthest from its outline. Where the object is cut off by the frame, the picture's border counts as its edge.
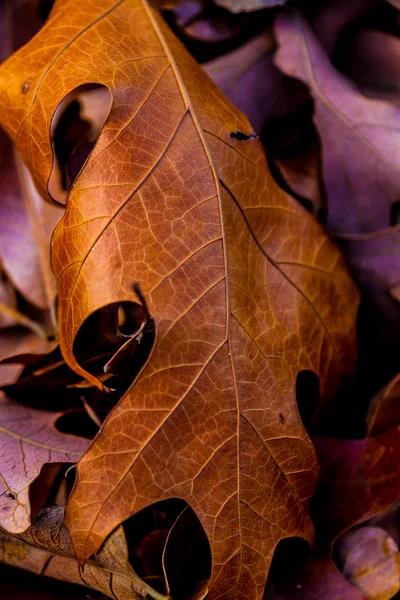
(245, 289)
(359, 480)
(370, 560)
(29, 440)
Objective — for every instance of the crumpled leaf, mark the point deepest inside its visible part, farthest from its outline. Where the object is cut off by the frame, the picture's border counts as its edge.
(370, 560)
(46, 549)
(360, 136)
(359, 480)
(28, 440)
(245, 289)
(317, 579)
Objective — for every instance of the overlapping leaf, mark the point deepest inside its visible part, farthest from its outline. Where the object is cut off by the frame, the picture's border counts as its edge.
(318, 579)
(246, 290)
(26, 225)
(46, 549)
(360, 136)
(359, 480)
(370, 560)
(361, 159)
(28, 440)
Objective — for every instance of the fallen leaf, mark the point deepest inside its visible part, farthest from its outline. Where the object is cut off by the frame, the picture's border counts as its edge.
(23, 214)
(370, 560)
(361, 158)
(28, 441)
(46, 549)
(26, 226)
(359, 480)
(244, 287)
(317, 579)
(360, 136)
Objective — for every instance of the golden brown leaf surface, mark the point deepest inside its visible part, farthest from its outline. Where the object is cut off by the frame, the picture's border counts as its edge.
(245, 288)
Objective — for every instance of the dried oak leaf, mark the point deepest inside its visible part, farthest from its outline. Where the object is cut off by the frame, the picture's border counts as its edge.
(46, 549)
(359, 480)
(245, 289)
(28, 440)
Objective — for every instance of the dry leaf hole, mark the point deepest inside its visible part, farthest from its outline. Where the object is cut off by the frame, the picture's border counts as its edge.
(169, 549)
(395, 213)
(289, 555)
(307, 397)
(52, 486)
(75, 129)
(112, 344)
